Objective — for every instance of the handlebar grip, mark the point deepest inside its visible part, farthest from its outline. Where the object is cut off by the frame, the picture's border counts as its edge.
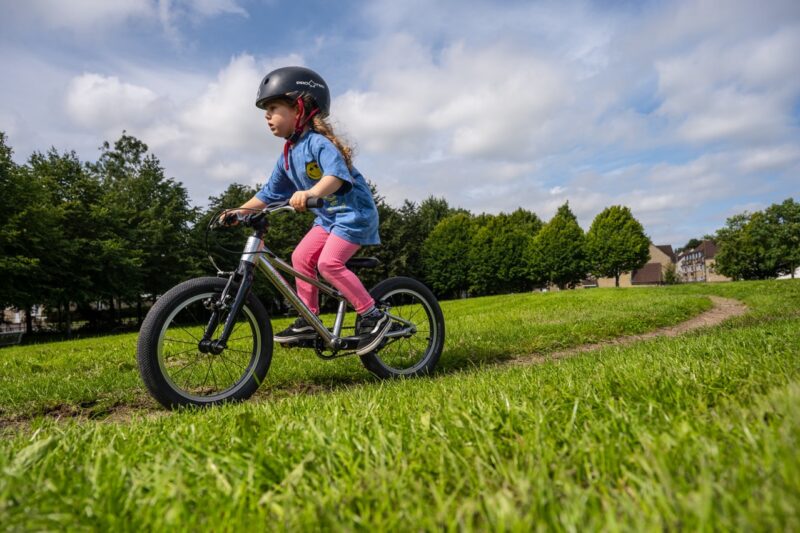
(313, 202)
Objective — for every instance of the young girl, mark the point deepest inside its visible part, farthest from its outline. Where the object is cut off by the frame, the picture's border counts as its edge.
(316, 163)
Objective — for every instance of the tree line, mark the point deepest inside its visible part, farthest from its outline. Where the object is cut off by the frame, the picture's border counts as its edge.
(106, 238)
(760, 245)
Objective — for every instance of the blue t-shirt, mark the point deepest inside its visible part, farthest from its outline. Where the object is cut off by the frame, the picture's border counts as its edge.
(350, 212)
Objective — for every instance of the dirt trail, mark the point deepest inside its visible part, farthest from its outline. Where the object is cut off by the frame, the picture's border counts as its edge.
(723, 308)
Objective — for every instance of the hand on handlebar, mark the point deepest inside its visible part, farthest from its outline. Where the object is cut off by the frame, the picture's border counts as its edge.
(230, 217)
(299, 200)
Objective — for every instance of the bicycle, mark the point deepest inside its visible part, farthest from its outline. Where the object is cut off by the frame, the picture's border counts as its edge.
(182, 363)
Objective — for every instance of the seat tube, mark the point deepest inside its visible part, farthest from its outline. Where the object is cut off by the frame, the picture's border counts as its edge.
(337, 325)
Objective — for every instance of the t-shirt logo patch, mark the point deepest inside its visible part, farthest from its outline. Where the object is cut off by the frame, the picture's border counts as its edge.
(313, 171)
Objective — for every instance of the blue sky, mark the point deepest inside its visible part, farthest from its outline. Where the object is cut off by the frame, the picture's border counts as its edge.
(685, 111)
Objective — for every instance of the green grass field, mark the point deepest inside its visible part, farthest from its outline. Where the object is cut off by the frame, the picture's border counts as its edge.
(699, 431)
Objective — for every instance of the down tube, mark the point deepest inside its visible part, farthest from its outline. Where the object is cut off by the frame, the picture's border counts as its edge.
(284, 288)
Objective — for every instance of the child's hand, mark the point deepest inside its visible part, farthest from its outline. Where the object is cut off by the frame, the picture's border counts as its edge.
(299, 199)
(230, 217)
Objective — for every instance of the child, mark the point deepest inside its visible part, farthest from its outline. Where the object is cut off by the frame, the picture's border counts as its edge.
(317, 163)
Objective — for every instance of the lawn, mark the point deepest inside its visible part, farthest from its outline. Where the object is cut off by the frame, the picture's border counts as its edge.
(693, 432)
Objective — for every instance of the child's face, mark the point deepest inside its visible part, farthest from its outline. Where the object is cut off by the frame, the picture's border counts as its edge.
(281, 118)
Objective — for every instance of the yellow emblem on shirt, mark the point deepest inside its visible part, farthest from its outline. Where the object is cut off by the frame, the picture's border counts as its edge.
(313, 171)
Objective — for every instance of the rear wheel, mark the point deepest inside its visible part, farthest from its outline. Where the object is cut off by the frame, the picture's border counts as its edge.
(177, 372)
(416, 338)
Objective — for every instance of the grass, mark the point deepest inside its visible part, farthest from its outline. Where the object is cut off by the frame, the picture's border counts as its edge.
(94, 375)
(698, 432)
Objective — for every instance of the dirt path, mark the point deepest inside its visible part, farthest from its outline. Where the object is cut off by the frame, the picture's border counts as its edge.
(723, 308)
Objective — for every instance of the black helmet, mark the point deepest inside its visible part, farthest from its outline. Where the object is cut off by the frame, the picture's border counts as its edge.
(291, 83)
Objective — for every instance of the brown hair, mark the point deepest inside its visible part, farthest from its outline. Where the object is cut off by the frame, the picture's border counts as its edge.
(323, 127)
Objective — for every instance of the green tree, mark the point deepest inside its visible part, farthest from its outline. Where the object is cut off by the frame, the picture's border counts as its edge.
(744, 247)
(150, 214)
(691, 244)
(616, 243)
(24, 225)
(403, 231)
(499, 245)
(558, 252)
(784, 222)
(445, 255)
(84, 252)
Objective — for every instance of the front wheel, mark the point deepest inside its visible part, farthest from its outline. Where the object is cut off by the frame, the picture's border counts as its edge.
(174, 368)
(416, 338)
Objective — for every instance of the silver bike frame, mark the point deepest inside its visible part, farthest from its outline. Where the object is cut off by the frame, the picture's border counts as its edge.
(256, 253)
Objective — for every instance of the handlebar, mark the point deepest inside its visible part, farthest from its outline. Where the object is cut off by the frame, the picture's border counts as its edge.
(248, 220)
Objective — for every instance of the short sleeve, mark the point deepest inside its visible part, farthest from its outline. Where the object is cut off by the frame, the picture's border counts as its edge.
(331, 163)
(278, 187)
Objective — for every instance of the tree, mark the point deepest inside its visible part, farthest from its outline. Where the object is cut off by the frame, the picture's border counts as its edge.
(403, 231)
(445, 255)
(744, 247)
(83, 249)
(150, 214)
(558, 252)
(499, 245)
(23, 229)
(671, 276)
(616, 243)
(691, 244)
(784, 222)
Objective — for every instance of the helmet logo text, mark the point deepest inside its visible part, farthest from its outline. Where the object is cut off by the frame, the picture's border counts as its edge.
(310, 83)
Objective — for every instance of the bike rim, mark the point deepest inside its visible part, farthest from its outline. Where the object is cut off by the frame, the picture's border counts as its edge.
(406, 355)
(206, 377)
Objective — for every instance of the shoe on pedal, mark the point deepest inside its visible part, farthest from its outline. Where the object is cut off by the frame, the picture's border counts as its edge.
(372, 328)
(299, 331)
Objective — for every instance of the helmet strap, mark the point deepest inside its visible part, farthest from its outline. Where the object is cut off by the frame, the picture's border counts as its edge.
(299, 125)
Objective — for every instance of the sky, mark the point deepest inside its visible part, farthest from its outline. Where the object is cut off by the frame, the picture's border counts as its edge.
(688, 112)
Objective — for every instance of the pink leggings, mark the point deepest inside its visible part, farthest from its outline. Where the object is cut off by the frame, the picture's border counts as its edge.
(327, 252)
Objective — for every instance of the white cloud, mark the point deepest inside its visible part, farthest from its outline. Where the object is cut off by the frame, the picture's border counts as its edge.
(470, 102)
(81, 15)
(668, 108)
(771, 158)
(86, 18)
(107, 104)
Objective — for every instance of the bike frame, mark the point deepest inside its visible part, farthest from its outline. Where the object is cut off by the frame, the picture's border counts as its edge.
(257, 255)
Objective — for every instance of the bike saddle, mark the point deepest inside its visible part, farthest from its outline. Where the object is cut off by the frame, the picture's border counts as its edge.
(362, 262)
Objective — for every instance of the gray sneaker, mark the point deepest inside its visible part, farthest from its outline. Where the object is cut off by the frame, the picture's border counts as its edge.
(372, 330)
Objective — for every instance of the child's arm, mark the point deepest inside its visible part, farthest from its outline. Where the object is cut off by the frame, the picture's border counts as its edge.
(247, 207)
(253, 203)
(326, 186)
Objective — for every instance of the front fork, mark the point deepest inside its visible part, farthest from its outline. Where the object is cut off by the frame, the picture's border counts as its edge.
(245, 274)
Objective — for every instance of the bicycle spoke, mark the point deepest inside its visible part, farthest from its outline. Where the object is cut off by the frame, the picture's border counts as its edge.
(176, 340)
(190, 363)
(206, 378)
(213, 375)
(239, 351)
(240, 338)
(184, 351)
(189, 333)
(227, 370)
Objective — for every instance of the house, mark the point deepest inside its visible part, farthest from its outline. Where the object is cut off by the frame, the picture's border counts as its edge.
(652, 273)
(697, 264)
